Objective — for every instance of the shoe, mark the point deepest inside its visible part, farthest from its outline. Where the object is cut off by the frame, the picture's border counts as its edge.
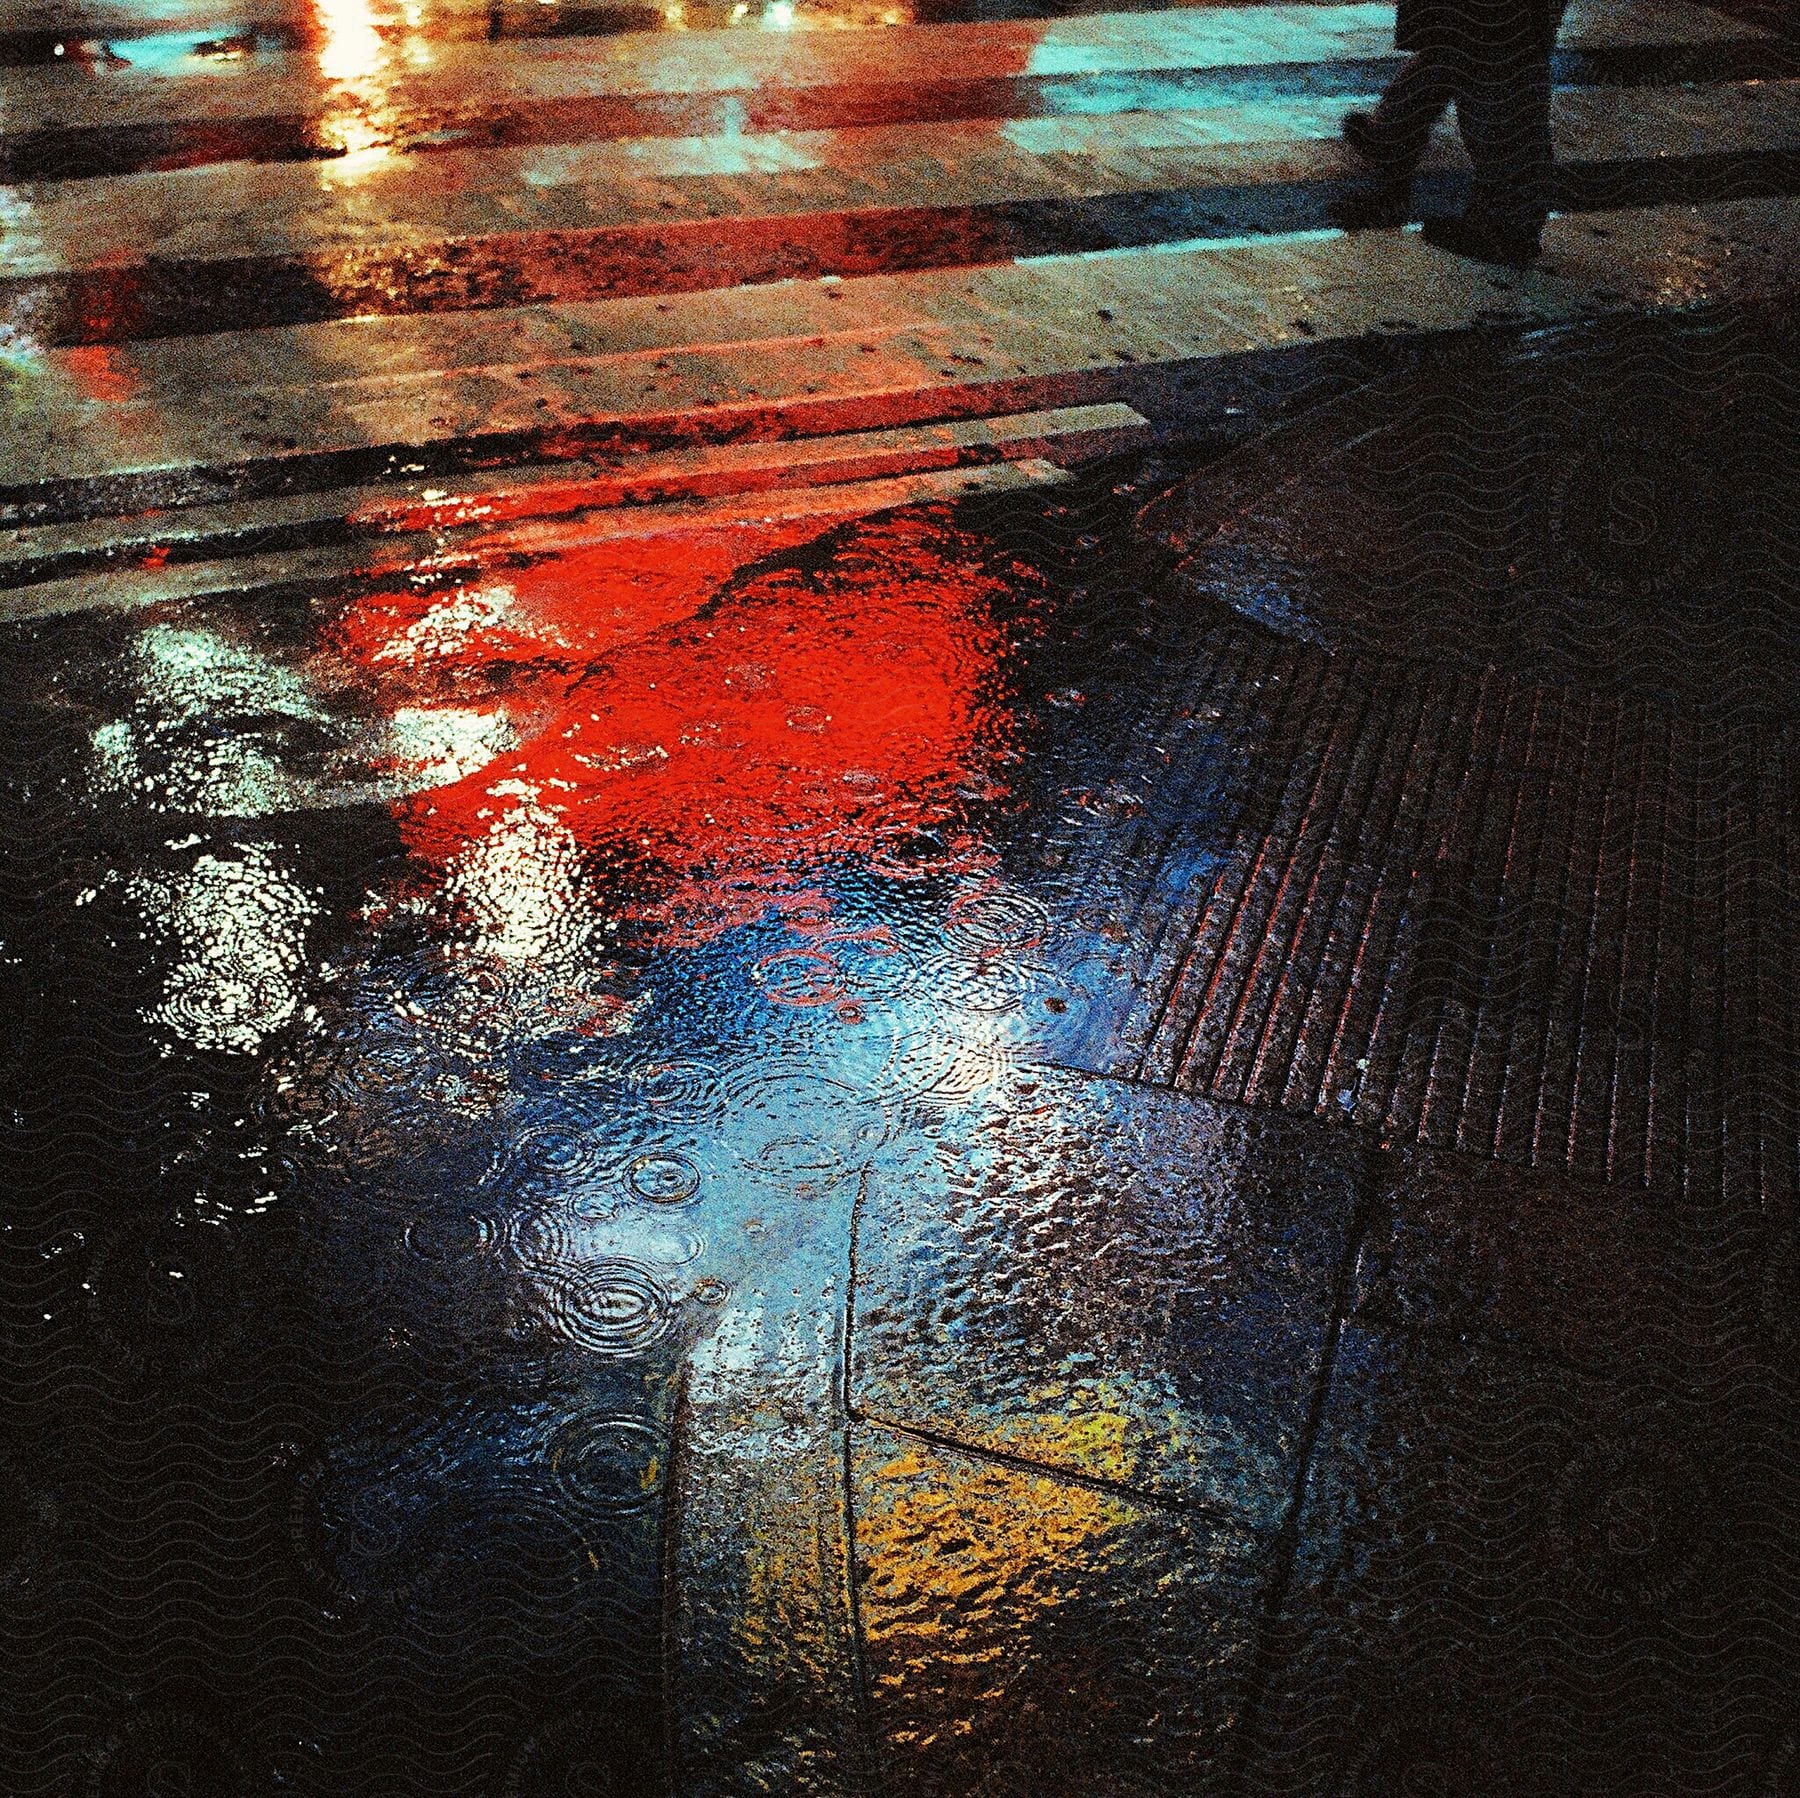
(1509, 246)
(1371, 207)
(1363, 135)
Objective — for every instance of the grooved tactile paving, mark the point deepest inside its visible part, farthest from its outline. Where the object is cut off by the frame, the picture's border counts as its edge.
(1514, 920)
(1508, 863)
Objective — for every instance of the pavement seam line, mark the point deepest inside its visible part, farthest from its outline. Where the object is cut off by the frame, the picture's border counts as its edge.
(1285, 1550)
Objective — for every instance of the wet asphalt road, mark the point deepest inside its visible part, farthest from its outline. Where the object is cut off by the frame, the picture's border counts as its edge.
(1113, 1115)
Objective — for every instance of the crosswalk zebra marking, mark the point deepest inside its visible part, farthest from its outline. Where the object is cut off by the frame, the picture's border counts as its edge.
(943, 342)
(470, 550)
(214, 214)
(683, 64)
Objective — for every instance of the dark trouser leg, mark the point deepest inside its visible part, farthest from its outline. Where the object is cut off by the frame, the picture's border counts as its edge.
(1503, 112)
(1410, 105)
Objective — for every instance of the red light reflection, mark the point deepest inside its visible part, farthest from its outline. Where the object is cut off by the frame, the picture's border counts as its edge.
(712, 727)
(102, 373)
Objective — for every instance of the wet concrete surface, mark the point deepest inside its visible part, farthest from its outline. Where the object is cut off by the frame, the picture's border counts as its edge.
(76, 152)
(600, 1201)
(982, 989)
(661, 255)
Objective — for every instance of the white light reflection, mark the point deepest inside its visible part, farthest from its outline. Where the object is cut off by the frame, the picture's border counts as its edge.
(450, 624)
(520, 885)
(356, 58)
(434, 745)
(350, 48)
(239, 926)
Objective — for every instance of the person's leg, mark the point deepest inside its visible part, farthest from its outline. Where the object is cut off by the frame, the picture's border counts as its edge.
(1503, 112)
(1391, 140)
(1394, 135)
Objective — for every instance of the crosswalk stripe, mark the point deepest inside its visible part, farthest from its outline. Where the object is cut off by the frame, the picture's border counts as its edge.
(225, 335)
(325, 518)
(1058, 330)
(164, 39)
(446, 555)
(953, 201)
(680, 64)
(684, 64)
(81, 152)
(203, 215)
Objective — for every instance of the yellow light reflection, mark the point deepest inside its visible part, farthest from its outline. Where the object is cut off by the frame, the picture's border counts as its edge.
(358, 58)
(350, 48)
(963, 1556)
